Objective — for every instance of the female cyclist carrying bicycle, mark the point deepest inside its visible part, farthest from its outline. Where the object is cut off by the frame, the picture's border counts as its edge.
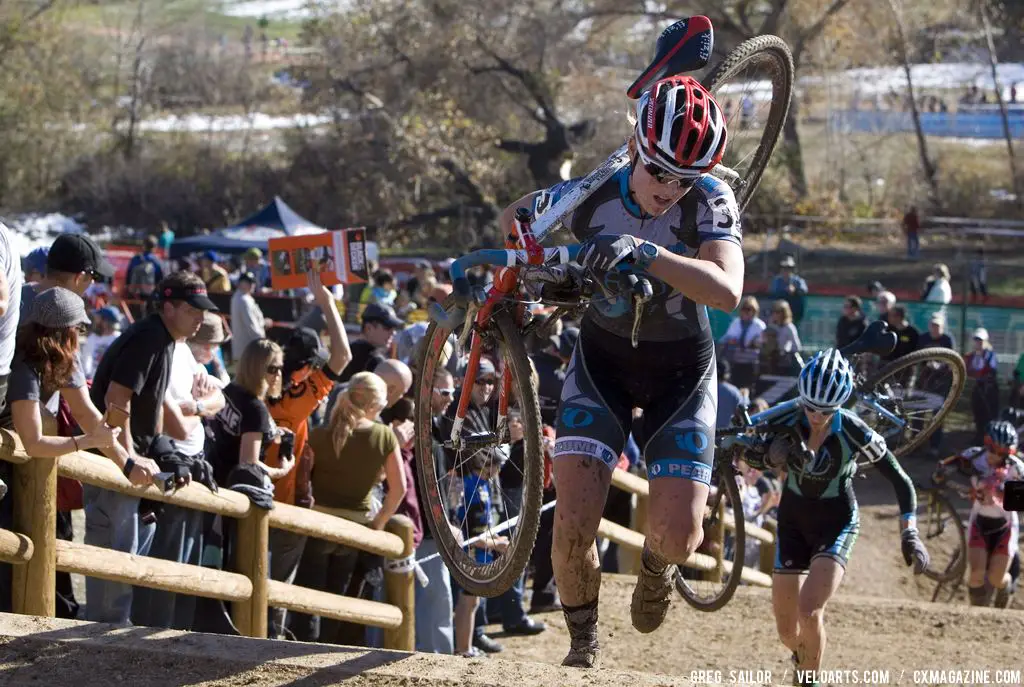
(818, 518)
(993, 531)
(670, 219)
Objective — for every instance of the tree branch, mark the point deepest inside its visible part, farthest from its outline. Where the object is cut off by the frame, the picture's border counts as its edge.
(812, 32)
(528, 80)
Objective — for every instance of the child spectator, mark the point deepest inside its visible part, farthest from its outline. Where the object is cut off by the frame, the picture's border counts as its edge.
(475, 512)
(106, 328)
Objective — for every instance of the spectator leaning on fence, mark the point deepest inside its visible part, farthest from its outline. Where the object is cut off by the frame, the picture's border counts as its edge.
(351, 452)
(129, 387)
(741, 343)
(851, 323)
(310, 373)
(983, 368)
(192, 397)
(45, 365)
(791, 288)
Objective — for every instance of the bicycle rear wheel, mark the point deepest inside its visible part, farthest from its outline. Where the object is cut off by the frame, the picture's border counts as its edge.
(711, 576)
(942, 532)
(756, 79)
(443, 465)
(920, 389)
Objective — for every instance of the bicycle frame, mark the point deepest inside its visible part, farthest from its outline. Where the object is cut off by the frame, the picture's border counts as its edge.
(506, 281)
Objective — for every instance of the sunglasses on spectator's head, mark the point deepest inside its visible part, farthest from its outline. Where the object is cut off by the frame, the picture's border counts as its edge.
(444, 392)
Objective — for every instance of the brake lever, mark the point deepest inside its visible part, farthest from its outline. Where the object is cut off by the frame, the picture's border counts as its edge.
(642, 293)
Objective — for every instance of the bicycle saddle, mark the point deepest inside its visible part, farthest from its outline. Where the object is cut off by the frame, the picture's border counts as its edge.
(876, 339)
(682, 47)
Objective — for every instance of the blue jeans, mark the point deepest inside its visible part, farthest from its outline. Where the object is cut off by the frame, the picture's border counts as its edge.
(112, 521)
(510, 604)
(178, 538)
(435, 632)
(913, 245)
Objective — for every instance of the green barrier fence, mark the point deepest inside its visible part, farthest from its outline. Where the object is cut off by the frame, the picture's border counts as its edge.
(818, 327)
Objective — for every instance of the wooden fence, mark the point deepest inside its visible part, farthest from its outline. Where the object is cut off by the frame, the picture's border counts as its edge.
(37, 555)
(632, 538)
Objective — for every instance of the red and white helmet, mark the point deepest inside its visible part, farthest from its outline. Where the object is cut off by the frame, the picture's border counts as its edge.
(680, 127)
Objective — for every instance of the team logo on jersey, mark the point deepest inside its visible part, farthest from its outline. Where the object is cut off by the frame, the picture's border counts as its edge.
(694, 441)
(820, 464)
(576, 418)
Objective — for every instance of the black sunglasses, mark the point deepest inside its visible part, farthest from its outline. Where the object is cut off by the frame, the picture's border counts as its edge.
(274, 369)
(489, 380)
(664, 177)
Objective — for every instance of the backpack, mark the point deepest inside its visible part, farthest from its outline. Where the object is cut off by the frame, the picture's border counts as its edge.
(143, 274)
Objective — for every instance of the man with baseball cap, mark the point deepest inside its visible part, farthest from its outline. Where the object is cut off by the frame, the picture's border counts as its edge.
(74, 262)
(791, 288)
(129, 387)
(214, 276)
(378, 331)
(254, 265)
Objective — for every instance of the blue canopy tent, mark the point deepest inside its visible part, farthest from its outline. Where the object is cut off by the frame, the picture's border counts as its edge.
(276, 219)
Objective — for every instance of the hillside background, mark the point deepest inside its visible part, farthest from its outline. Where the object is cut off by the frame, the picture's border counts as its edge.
(422, 118)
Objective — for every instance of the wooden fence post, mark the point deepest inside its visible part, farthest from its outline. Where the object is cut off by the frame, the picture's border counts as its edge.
(767, 562)
(399, 581)
(251, 560)
(34, 584)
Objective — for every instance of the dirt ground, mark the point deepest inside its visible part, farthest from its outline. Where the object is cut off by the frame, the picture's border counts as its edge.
(882, 620)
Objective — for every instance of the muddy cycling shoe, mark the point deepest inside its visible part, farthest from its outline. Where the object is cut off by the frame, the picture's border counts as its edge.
(584, 649)
(650, 599)
(1002, 598)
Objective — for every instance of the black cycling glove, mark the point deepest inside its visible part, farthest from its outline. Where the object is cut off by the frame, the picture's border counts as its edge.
(603, 252)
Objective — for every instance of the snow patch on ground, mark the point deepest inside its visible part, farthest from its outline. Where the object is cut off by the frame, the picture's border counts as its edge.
(196, 123)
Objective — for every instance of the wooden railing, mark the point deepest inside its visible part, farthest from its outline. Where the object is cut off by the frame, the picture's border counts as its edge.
(632, 538)
(37, 555)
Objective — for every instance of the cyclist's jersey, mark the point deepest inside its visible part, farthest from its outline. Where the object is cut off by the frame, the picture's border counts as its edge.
(708, 212)
(989, 482)
(830, 474)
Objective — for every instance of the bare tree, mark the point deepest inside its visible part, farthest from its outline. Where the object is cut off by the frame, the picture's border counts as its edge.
(983, 10)
(903, 48)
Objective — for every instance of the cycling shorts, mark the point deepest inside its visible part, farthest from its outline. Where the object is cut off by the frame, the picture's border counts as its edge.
(813, 528)
(996, 535)
(673, 382)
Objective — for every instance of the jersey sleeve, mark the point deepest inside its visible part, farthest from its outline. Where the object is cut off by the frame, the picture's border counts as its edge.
(545, 199)
(719, 216)
(871, 445)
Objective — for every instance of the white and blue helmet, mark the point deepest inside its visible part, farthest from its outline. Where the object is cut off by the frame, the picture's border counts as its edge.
(826, 381)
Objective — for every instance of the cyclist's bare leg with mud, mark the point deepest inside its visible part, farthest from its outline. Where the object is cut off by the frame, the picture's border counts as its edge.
(583, 484)
(822, 582)
(675, 530)
(785, 604)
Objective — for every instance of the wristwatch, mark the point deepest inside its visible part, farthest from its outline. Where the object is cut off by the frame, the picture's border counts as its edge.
(645, 255)
(200, 408)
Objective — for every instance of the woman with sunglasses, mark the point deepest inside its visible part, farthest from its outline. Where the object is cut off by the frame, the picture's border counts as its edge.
(818, 517)
(671, 219)
(993, 531)
(243, 430)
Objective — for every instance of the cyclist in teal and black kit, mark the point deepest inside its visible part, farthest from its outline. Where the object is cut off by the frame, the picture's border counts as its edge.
(669, 218)
(818, 517)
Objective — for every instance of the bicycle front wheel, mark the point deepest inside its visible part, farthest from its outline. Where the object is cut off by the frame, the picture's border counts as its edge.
(451, 464)
(908, 399)
(709, 578)
(942, 532)
(754, 84)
